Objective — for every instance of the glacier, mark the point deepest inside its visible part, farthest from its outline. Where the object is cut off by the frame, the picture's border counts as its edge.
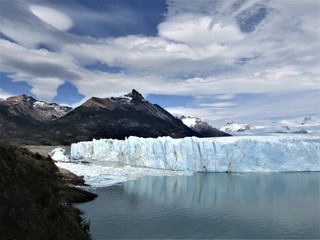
(58, 154)
(228, 154)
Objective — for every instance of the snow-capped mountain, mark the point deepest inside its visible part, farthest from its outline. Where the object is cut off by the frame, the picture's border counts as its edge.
(23, 117)
(201, 127)
(51, 110)
(38, 110)
(305, 124)
(300, 125)
(233, 126)
(189, 121)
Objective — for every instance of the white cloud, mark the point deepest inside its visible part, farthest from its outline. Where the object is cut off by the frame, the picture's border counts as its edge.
(266, 106)
(199, 51)
(43, 70)
(203, 113)
(225, 96)
(198, 30)
(218, 104)
(45, 88)
(53, 17)
(133, 52)
(19, 24)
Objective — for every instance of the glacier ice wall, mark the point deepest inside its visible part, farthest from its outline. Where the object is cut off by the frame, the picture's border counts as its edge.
(230, 154)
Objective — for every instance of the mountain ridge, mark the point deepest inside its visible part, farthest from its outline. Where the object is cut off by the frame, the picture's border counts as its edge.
(28, 121)
(39, 110)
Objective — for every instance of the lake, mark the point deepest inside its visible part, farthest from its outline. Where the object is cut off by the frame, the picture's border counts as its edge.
(207, 206)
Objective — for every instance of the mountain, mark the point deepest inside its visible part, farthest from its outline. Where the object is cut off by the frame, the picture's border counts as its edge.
(300, 125)
(117, 117)
(25, 117)
(27, 106)
(233, 126)
(25, 120)
(202, 127)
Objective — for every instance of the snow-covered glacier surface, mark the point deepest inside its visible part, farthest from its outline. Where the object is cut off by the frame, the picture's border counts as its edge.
(228, 154)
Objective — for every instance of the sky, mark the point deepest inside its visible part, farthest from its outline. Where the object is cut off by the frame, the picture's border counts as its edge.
(240, 60)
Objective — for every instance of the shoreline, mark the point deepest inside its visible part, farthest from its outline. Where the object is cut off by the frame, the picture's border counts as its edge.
(74, 181)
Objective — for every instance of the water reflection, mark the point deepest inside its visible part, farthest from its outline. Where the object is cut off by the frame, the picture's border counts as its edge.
(217, 188)
(277, 205)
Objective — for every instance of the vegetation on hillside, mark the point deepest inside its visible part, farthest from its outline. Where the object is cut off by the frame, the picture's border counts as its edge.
(35, 198)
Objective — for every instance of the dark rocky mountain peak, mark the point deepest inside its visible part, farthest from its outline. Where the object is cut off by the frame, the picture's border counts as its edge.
(135, 96)
(118, 117)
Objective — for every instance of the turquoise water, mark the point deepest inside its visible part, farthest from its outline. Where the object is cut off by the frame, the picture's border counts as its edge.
(208, 205)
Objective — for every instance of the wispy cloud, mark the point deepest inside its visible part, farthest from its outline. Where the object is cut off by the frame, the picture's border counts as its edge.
(53, 17)
(256, 107)
(218, 104)
(212, 49)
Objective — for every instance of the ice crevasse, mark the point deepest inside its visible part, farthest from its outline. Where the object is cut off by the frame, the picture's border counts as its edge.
(229, 154)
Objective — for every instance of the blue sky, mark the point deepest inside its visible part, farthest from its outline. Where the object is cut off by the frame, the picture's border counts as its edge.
(218, 60)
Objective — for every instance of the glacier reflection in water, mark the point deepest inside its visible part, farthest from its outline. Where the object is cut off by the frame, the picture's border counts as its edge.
(208, 205)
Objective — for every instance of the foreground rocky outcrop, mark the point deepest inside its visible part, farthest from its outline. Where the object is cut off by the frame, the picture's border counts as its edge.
(36, 198)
